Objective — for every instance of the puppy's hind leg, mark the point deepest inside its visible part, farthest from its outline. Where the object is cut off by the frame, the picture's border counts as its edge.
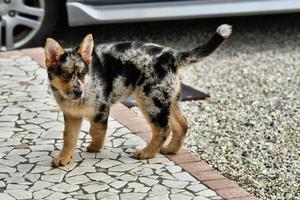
(98, 131)
(160, 126)
(179, 128)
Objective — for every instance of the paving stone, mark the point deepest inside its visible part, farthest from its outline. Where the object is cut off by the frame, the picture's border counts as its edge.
(6, 134)
(124, 167)
(115, 174)
(24, 168)
(50, 124)
(20, 122)
(158, 160)
(118, 184)
(6, 196)
(32, 177)
(7, 169)
(127, 177)
(141, 171)
(27, 115)
(180, 196)
(106, 153)
(2, 184)
(126, 159)
(107, 196)
(52, 135)
(38, 185)
(132, 195)
(18, 152)
(36, 154)
(87, 155)
(107, 163)
(16, 186)
(184, 176)
(118, 142)
(196, 187)
(56, 178)
(165, 175)
(88, 162)
(175, 184)
(37, 120)
(207, 193)
(39, 169)
(19, 194)
(64, 187)
(57, 195)
(12, 111)
(77, 179)
(81, 170)
(9, 162)
(42, 148)
(95, 188)
(98, 176)
(159, 197)
(109, 180)
(16, 178)
(8, 118)
(201, 198)
(154, 166)
(148, 181)
(86, 196)
(173, 169)
(69, 167)
(142, 189)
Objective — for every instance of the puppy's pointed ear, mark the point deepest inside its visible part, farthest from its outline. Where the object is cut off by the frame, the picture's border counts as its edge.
(53, 51)
(86, 48)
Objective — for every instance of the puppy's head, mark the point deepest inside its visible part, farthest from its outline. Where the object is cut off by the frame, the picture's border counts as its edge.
(68, 70)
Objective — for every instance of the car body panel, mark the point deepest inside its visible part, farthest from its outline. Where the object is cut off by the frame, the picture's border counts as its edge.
(87, 12)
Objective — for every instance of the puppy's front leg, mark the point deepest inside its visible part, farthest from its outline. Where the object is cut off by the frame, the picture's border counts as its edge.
(72, 126)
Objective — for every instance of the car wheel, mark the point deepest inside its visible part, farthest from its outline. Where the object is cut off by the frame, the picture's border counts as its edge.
(26, 23)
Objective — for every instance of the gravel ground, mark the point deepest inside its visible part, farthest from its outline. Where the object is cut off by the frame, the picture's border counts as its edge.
(249, 129)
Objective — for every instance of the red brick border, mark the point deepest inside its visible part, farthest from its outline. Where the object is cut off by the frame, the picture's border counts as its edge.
(213, 179)
(36, 54)
(224, 187)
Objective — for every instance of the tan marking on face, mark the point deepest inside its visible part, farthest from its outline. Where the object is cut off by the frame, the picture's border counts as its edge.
(63, 87)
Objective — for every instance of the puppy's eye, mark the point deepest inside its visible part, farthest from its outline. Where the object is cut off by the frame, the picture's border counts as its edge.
(67, 76)
(81, 75)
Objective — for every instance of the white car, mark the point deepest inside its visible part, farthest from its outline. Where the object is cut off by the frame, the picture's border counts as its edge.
(26, 23)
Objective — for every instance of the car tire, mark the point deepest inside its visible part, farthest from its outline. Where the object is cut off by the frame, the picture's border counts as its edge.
(27, 23)
(48, 25)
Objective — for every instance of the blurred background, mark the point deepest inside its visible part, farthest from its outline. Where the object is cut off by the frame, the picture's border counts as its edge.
(26, 23)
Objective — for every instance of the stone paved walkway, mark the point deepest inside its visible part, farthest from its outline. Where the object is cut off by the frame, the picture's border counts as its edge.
(31, 135)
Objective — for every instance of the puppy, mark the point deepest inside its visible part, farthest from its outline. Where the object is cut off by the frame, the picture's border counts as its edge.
(87, 80)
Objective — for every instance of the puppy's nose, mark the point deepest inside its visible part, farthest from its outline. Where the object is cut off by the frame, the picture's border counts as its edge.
(77, 92)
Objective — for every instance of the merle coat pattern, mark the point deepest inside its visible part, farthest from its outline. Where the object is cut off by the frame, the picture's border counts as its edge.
(87, 80)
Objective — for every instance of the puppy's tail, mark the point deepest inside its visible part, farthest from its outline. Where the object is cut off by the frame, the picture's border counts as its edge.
(195, 55)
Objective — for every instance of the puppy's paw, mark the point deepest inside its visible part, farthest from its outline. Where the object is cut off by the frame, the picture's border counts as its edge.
(92, 148)
(142, 154)
(167, 151)
(61, 160)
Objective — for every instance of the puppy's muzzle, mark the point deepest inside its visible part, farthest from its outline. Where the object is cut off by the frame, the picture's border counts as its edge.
(76, 93)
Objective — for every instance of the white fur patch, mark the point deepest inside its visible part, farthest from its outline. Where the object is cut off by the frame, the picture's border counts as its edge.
(224, 30)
